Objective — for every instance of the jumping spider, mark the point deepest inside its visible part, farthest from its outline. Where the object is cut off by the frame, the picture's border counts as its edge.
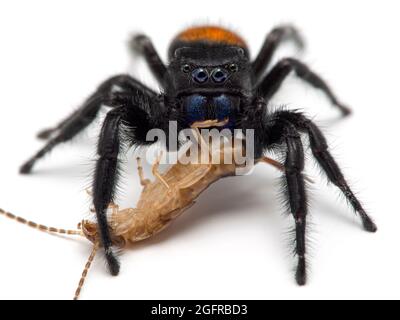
(210, 78)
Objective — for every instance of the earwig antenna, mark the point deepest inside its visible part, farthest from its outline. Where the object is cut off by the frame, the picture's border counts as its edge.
(40, 226)
(86, 270)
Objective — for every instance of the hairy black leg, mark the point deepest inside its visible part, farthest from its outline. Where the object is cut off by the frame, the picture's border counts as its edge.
(69, 130)
(143, 45)
(274, 79)
(85, 115)
(320, 150)
(271, 43)
(126, 125)
(125, 82)
(105, 179)
(296, 192)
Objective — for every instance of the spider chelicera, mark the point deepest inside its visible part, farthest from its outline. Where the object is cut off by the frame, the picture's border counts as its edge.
(210, 77)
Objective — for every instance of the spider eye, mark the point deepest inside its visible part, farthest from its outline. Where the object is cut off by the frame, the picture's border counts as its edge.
(233, 67)
(200, 75)
(185, 68)
(219, 75)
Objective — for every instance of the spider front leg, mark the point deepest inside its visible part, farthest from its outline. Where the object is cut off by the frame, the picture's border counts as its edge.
(143, 45)
(85, 115)
(296, 194)
(274, 39)
(105, 180)
(127, 124)
(274, 79)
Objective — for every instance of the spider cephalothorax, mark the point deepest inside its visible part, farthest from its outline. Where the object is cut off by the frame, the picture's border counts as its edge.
(210, 87)
(210, 81)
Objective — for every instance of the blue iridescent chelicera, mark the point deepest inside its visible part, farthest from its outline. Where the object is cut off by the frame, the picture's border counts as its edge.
(195, 108)
(224, 109)
(201, 108)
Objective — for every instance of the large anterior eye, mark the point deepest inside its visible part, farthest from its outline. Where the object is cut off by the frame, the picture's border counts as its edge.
(219, 75)
(200, 75)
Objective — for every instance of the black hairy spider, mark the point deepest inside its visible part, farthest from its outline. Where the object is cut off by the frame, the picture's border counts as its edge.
(209, 77)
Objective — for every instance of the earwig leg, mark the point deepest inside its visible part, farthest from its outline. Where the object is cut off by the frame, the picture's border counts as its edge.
(40, 226)
(86, 270)
(274, 163)
(156, 173)
(90, 194)
(281, 167)
(202, 143)
(200, 139)
(143, 181)
(112, 205)
(115, 209)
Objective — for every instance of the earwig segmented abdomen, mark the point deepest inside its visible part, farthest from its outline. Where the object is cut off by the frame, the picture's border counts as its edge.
(185, 184)
(162, 201)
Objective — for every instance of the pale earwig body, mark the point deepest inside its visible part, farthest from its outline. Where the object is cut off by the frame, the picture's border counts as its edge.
(161, 201)
(159, 204)
(164, 199)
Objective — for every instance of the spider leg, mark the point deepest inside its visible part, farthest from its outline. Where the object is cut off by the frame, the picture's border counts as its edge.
(320, 150)
(272, 133)
(105, 180)
(87, 111)
(273, 40)
(274, 79)
(127, 124)
(84, 116)
(143, 45)
(297, 198)
(284, 128)
(278, 132)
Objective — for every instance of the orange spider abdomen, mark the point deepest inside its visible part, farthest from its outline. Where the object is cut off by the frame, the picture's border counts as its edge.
(212, 34)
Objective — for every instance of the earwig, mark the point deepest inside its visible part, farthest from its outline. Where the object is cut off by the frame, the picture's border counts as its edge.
(161, 201)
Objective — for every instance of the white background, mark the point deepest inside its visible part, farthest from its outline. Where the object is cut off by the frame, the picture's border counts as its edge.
(232, 244)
